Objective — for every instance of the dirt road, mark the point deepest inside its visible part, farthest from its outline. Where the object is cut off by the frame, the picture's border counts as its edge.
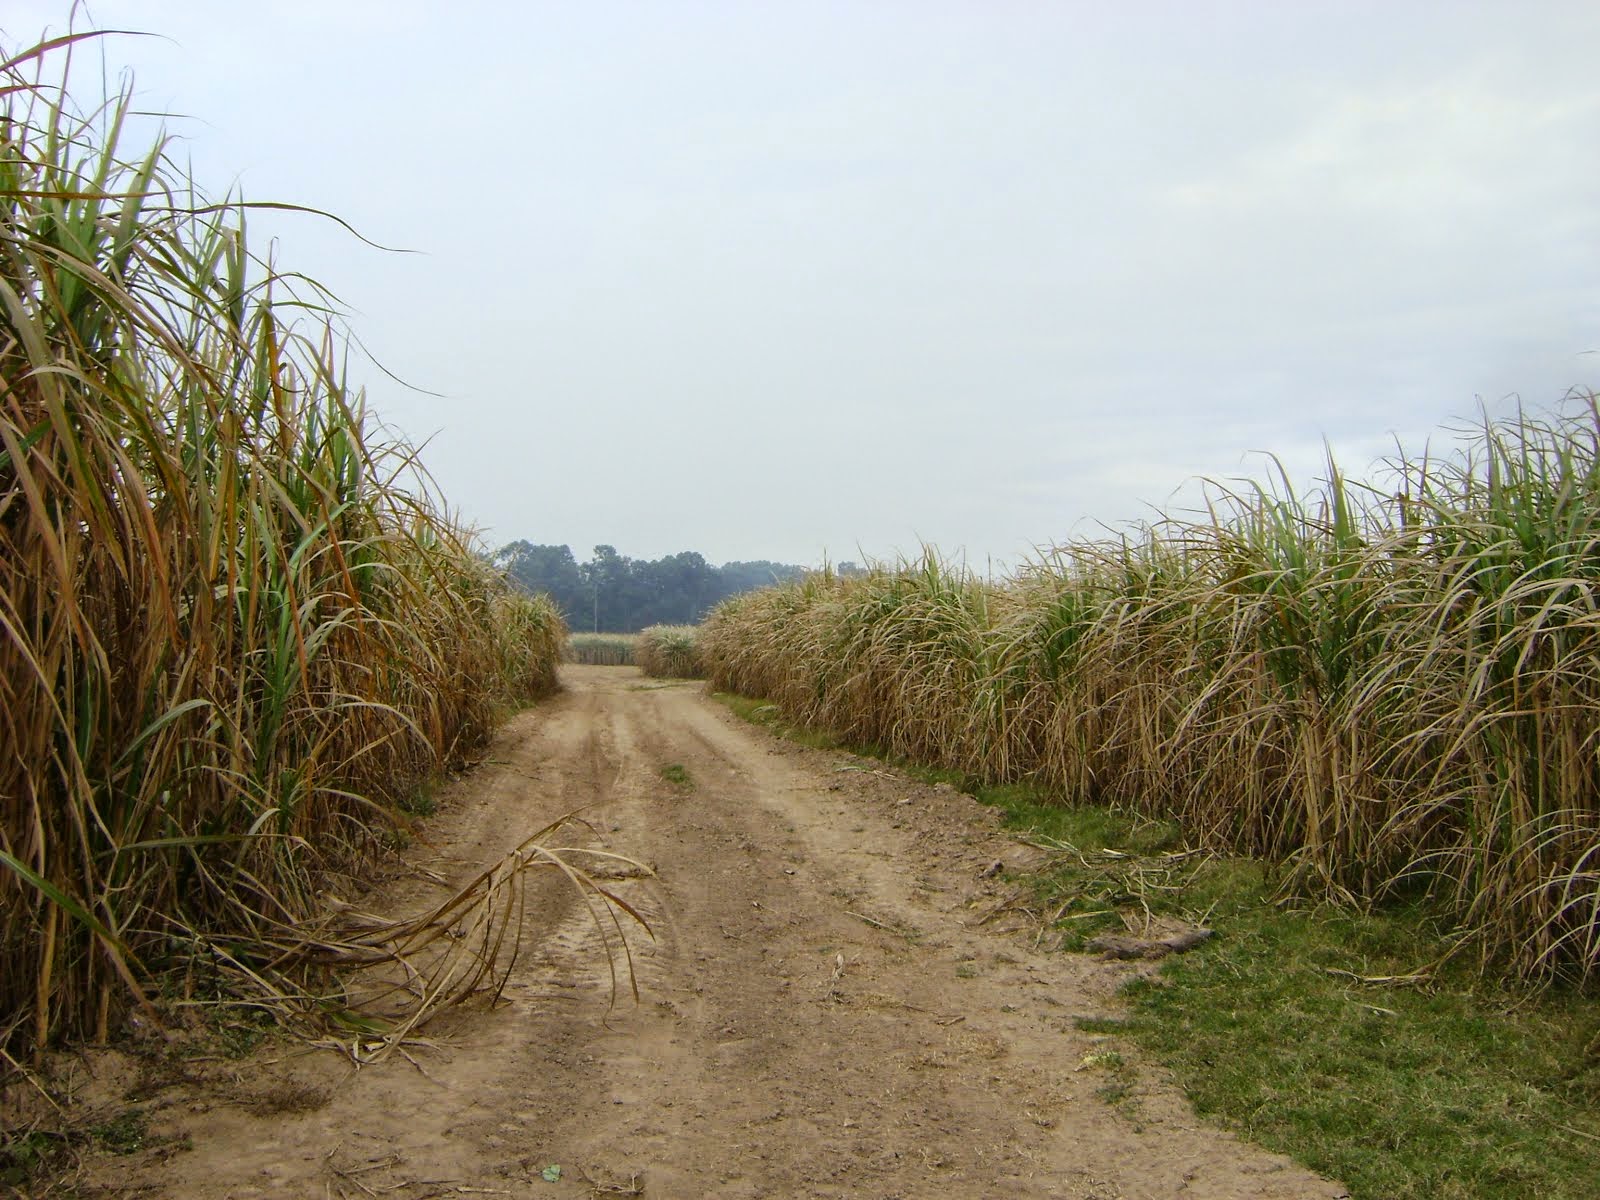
(825, 1010)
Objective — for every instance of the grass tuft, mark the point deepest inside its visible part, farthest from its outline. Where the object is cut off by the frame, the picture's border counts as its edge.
(670, 652)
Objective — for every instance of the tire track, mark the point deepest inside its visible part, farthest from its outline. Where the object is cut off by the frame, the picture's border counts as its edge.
(821, 1013)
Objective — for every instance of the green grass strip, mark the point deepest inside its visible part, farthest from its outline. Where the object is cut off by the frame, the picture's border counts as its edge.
(1310, 1031)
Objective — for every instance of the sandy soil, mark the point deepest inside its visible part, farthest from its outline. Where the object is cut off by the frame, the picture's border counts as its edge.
(836, 1003)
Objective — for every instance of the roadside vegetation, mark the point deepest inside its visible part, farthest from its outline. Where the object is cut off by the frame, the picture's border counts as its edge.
(1348, 1038)
(1388, 689)
(671, 652)
(602, 649)
(238, 635)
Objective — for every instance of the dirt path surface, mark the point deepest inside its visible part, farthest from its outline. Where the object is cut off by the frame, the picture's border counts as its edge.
(825, 1009)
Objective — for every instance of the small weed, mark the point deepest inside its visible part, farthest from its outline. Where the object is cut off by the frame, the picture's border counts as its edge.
(1100, 1024)
(287, 1097)
(678, 776)
(1118, 1089)
(123, 1134)
(966, 971)
(1105, 1058)
(397, 840)
(38, 1158)
(1113, 1093)
(419, 803)
(241, 1036)
(27, 1156)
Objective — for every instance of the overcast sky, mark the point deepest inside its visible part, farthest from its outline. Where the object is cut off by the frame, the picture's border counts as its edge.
(774, 280)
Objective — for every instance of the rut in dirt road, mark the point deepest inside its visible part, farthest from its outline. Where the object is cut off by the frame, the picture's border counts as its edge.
(823, 1010)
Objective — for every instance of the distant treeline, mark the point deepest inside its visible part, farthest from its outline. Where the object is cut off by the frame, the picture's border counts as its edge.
(612, 593)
